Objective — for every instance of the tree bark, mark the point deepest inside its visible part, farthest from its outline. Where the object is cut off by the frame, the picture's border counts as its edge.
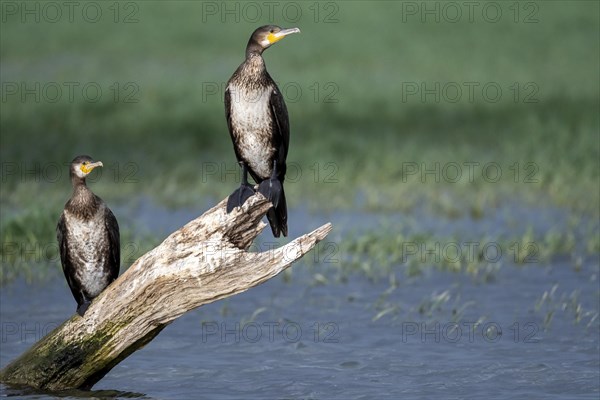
(205, 261)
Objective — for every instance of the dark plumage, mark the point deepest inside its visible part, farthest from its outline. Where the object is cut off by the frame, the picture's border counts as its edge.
(88, 238)
(258, 122)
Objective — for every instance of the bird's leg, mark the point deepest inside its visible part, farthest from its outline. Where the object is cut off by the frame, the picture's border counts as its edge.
(241, 194)
(271, 188)
(83, 306)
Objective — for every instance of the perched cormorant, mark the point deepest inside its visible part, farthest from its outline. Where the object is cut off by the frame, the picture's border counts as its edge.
(258, 122)
(88, 238)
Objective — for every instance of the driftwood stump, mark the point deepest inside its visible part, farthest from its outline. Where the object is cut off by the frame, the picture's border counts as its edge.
(202, 262)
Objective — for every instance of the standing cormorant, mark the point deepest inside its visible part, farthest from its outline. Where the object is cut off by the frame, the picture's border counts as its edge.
(88, 238)
(258, 122)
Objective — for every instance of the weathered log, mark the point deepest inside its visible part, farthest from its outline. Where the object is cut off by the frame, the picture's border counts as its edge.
(202, 262)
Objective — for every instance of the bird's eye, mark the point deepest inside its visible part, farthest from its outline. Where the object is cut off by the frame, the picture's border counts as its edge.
(272, 31)
(85, 162)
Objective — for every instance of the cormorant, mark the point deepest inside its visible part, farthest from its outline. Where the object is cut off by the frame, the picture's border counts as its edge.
(88, 238)
(258, 122)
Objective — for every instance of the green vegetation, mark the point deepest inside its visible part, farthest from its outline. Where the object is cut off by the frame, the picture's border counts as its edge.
(550, 304)
(383, 253)
(360, 139)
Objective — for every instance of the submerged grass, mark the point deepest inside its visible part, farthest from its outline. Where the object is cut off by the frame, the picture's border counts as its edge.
(550, 303)
(380, 253)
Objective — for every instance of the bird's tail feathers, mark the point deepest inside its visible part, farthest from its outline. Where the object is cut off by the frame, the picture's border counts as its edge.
(277, 216)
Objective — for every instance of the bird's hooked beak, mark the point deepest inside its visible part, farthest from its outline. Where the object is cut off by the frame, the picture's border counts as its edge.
(276, 37)
(87, 168)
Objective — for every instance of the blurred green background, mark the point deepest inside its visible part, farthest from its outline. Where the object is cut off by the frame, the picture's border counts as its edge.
(374, 90)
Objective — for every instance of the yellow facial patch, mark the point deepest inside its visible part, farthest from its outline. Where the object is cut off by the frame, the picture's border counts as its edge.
(85, 169)
(272, 38)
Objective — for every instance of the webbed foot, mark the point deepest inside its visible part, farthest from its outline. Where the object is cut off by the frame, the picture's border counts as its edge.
(239, 196)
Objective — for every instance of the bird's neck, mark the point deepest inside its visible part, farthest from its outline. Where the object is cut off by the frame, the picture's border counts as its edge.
(254, 64)
(252, 73)
(253, 48)
(83, 202)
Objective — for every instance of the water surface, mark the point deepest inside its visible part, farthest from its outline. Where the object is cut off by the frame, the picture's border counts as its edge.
(312, 335)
